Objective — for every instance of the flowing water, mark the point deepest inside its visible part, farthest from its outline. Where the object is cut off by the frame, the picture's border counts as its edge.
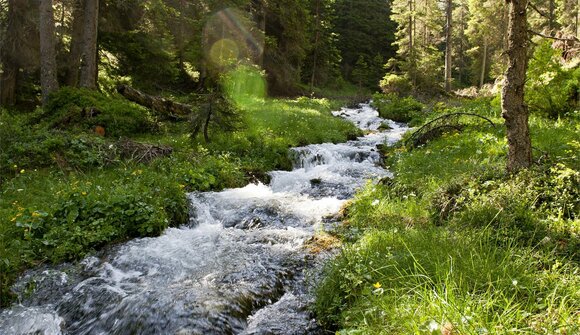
(239, 267)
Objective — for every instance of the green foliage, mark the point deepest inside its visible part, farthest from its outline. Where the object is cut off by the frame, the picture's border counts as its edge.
(430, 281)
(65, 194)
(147, 60)
(453, 244)
(397, 84)
(28, 148)
(364, 30)
(393, 107)
(551, 89)
(84, 109)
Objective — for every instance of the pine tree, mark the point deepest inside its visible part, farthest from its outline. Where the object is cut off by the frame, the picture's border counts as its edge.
(514, 109)
(487, 28)
(48, 80)
(365, 29)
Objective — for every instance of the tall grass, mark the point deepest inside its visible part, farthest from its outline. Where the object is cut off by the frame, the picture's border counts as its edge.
(430, 281)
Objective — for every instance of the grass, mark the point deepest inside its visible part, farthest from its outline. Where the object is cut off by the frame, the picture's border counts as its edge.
(68, 192)
(454, 245)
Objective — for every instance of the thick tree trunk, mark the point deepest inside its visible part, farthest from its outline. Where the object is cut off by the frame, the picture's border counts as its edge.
(48, 79)
(448, 16)
(163, 107)
(76, 44)
(88, 76)
(514, 109)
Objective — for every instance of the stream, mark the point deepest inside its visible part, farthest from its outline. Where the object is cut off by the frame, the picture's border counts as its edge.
(238, 267)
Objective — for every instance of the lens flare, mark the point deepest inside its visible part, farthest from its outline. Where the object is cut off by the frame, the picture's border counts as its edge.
(245, 85)
(230, 36)
(224, 52)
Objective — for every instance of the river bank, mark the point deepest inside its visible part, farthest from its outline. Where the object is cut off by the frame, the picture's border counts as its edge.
(454, 245)
(68, 192)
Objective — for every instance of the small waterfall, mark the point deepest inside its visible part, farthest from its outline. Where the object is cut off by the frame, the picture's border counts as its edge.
(237, 268)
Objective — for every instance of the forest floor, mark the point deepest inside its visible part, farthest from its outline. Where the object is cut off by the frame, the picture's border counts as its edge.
(453, 244)
(66, 191)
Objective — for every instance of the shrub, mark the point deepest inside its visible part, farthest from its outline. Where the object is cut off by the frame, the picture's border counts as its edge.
(83, 109)
(551, 89)
(28, 148)
(395, 83)
(393, 107)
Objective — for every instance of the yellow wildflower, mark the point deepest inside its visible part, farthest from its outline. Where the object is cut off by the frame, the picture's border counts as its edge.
(22, 171)
(377, 285)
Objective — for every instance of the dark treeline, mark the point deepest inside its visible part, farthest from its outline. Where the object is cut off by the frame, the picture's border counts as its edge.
(166, 44)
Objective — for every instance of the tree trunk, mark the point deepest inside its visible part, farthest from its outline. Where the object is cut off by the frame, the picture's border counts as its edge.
(551, 15)
(8, 52)
(514, 109)
(88, 76)
(483, 64)
(48, 79)
(316, 40)
(412, 41)
(76, 44)
(449, 13)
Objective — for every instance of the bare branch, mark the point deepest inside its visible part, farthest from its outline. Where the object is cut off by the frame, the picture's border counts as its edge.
(539, 11)
(570, 39)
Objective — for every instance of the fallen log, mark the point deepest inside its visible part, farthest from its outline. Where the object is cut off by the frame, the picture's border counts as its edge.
(163, 107)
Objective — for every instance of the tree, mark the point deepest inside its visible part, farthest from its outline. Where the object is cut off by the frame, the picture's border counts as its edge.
(486, 31)
(74, 57)
(364, 28)
(448, 45)
(89, 70)
(460, 42)
(322, 64)
(568, 15)
(48, 79)
(514, 109)
(18, 35)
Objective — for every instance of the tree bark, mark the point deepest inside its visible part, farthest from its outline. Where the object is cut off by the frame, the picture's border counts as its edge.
(316, 40)
(88, 75)
(8, 53)
(48, 79)
(514, 109)
(483, 64)
(76, 44)
(162, 106)
(448, 16)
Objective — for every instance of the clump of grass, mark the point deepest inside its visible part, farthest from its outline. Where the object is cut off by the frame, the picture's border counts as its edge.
(393, 107)
(402, 281)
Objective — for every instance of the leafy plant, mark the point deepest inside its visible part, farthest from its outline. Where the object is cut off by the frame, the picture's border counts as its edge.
(551, 89)
(393, 107)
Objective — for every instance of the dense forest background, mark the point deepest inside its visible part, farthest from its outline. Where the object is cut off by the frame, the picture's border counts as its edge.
(168, 45)
(297, 45)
